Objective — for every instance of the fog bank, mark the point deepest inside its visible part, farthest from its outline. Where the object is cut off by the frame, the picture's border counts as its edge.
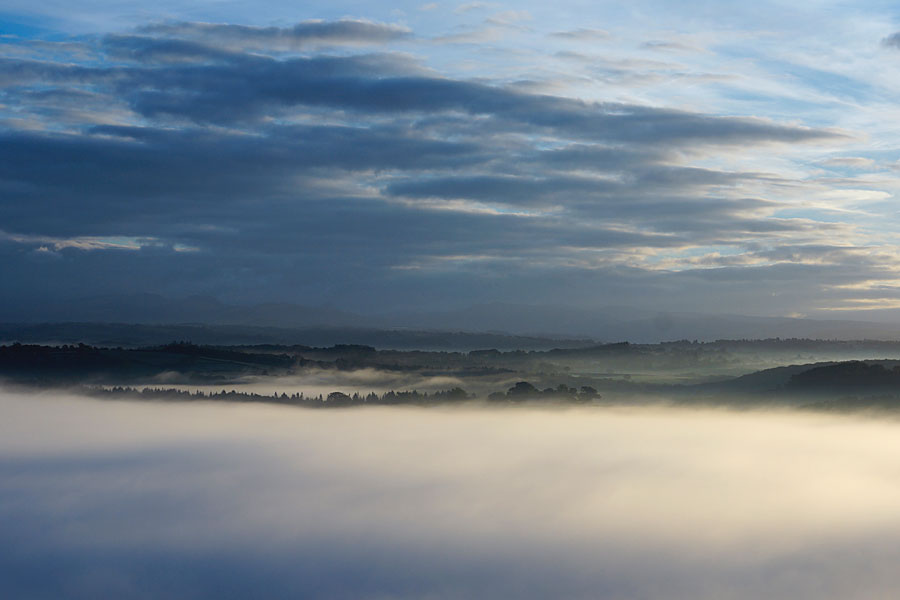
(135, 500)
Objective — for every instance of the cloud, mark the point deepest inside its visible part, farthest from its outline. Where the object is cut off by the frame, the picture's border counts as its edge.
(81, 243)
(257, 87)
(343, 31)
(138, 500)
(470, 6)
(853, 162)
(143, 49)
(670, 46)
(892, 41)
(509, 18)
(355, 177)
(583, 34)
(228, 93)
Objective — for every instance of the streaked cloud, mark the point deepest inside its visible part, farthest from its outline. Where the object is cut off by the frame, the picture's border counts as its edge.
(348, 157)
(583, 34)
(343, 31)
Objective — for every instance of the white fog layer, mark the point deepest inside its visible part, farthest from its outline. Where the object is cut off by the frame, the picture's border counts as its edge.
(142, 500)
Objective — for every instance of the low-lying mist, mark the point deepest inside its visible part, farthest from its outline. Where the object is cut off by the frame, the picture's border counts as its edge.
(313, 382)
(142, 500)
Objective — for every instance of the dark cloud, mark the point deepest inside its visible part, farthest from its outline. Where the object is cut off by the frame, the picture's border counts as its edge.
(157, 168)
(371, 85)
(15, 73)
(598, 158)
(144, 49)
(892, 40)
(501, 189)
(256, 86)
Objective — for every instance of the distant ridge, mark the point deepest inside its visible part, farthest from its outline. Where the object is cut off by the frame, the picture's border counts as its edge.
(136, 335)
(606, 324)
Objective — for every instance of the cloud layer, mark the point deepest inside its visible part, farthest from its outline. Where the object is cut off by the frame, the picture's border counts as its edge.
(142, 500)
(332, 162)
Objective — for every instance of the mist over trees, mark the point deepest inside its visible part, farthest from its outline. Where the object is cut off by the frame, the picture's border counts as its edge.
(807, 372)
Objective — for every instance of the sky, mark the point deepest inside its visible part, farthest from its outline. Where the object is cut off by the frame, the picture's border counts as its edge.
(714, 157)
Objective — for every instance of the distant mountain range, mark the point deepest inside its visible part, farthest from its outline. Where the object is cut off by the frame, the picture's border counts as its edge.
(128, 335)
(607, 324)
